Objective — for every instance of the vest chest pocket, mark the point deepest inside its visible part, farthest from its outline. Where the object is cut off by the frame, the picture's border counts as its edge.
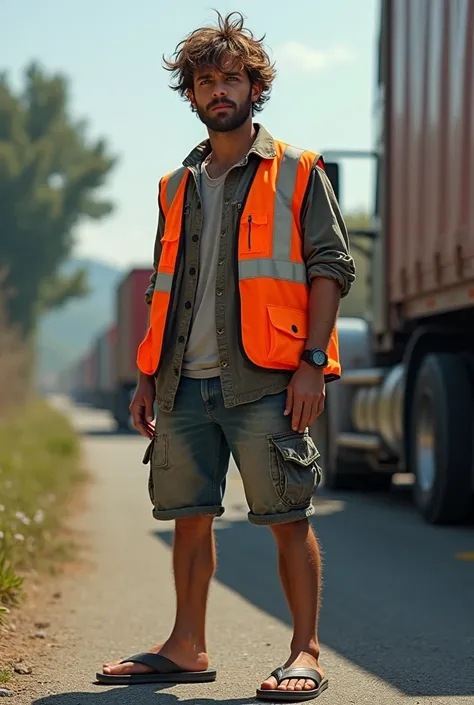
(254, 235)
(169, 250)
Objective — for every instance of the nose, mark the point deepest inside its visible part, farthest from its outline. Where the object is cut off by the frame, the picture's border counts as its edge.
(219, 91)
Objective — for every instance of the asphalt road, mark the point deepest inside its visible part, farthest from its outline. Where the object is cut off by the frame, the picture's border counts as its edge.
(397, 621)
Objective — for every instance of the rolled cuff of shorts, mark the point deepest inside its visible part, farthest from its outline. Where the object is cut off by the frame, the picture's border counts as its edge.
(282, 517)
(188, 512)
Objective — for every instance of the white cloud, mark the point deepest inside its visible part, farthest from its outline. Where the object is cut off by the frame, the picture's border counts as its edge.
(304, 58)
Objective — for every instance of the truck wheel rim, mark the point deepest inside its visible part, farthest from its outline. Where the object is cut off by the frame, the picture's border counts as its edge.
(425, 445)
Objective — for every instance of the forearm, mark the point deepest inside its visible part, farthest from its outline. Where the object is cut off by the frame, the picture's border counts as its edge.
(142, 377)
(324, 299)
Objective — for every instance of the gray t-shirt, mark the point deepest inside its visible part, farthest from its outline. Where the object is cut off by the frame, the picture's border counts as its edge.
(201, 359)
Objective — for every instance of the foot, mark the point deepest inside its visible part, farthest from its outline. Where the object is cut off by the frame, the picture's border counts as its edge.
(301, 660)
(183, 655)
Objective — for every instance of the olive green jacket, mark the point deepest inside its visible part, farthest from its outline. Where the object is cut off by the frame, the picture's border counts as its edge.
(326, 253)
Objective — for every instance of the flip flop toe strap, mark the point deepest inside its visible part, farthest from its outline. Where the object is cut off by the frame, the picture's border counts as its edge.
(283, 674)
(159, 664)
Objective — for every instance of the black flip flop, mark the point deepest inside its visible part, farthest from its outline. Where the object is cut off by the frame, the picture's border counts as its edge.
(295, 696)
(164, 671)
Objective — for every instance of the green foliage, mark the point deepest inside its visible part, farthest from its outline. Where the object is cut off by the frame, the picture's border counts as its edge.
(49, 175)
(39, 473)
(5, 676)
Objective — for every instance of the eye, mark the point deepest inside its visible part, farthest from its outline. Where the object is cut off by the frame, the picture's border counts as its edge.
(232, 78)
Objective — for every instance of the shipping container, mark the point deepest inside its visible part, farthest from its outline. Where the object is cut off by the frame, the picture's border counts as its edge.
(131, 321)
(105, 385)
(405, 403)
(430, 157)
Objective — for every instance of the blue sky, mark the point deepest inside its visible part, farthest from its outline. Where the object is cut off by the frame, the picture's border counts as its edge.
(111, 51)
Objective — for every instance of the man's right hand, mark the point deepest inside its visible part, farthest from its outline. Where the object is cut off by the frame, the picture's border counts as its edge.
(141, 406)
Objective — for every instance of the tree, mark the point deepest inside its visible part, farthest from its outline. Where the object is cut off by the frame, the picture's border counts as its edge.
(49, 175)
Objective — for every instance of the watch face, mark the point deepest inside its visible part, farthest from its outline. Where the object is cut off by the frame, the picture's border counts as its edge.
(319, 358)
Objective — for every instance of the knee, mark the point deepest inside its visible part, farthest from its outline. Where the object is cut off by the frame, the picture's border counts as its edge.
(194, 527)
(291, 530)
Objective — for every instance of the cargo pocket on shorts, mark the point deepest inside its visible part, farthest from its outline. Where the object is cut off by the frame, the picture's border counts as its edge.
(294, 470)
(156, 455)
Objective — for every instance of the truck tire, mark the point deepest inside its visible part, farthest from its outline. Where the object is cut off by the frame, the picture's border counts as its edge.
(340, 474)
(441, 443)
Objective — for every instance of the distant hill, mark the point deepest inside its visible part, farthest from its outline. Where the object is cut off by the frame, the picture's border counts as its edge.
(64, 335)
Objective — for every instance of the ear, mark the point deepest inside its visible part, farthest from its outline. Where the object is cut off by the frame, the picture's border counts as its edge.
(256, 92)
(190, 96)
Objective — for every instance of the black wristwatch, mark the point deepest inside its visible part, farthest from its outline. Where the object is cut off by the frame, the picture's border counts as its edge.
(315, 357)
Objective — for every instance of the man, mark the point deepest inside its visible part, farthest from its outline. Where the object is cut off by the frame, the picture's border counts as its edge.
(251, 261)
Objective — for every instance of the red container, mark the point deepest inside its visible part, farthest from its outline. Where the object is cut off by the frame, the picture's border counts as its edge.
(132, 322)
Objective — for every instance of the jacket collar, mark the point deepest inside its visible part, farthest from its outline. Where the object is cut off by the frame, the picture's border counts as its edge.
(263, 146)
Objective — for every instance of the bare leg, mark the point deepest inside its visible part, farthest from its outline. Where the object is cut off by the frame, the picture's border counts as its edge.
(299, 563)
(194, 563)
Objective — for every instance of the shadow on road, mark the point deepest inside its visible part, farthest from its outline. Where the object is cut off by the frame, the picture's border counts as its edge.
(134, 694)
(396, 600)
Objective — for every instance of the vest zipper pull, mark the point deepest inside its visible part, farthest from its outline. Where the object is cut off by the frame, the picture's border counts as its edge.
(249, 220)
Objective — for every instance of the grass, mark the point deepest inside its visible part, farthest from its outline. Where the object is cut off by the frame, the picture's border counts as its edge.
(5, 676)
(39, 474)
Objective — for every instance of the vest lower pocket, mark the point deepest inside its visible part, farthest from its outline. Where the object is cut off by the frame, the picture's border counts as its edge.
(144, 360)
(295, 472)
(288, 330)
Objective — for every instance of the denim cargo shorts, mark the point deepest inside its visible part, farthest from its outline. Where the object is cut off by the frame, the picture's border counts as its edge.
(189, 457)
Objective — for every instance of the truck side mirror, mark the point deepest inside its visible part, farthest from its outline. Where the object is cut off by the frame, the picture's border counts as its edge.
(332, 171)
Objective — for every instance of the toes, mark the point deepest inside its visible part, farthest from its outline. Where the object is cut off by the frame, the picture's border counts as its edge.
(124, 669)
(269, 684)
(288, 684)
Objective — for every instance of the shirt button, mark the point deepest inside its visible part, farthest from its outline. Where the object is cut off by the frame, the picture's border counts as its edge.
(181, 339)
(224, 364)
(187, 304)
(221, 262)
(219, 292)
(226, 202)
(195, 238)
(223, 233)
(220, 331)
(176, 371)
(192, 271)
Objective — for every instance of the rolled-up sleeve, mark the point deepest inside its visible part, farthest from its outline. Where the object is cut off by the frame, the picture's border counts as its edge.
(156, 256)
(325, 239)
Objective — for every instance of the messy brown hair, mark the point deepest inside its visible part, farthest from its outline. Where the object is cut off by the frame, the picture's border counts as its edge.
(209, 46)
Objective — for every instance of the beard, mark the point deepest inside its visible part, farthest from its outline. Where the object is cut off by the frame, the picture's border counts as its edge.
(232, 120)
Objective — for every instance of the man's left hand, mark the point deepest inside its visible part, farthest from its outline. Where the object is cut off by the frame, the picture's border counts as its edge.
(305, 396)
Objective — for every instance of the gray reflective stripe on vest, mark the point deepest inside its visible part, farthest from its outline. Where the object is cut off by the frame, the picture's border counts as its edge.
(163, 282)
(283, 217)
(274, 269)
(173, 185)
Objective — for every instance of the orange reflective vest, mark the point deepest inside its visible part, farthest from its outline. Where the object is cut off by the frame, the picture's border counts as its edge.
(273, 284)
